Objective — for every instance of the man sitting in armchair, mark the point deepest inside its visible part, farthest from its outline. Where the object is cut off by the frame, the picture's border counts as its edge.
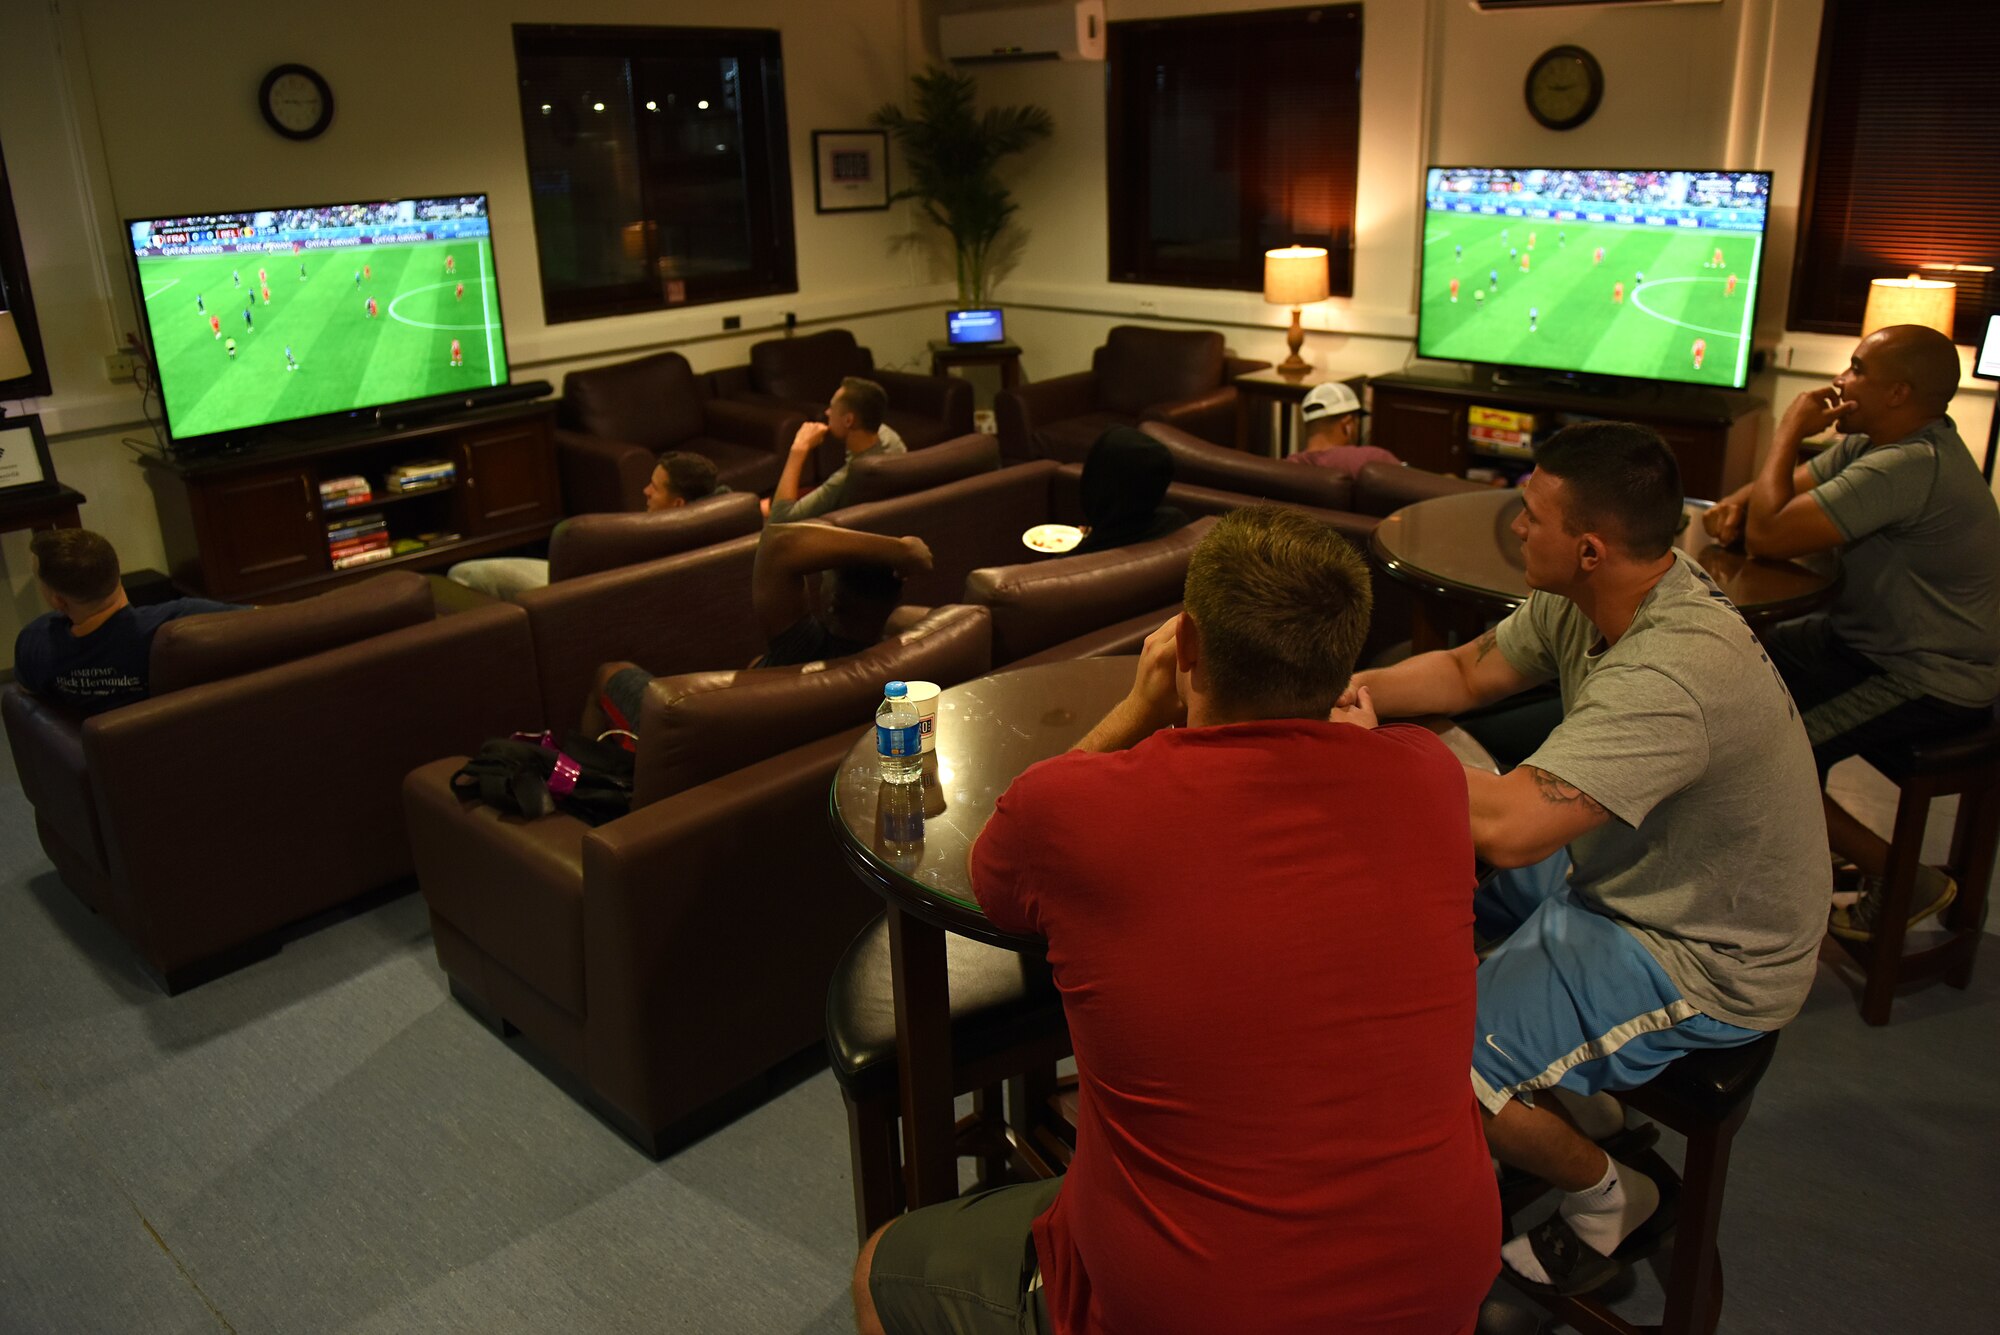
(854, 418)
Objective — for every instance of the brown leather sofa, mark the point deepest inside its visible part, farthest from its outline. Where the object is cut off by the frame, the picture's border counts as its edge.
(978, 523)
(1085, 606)
(685, 613)
(584, 544)
(787, 376)
(615, 420)
(260, 783)
(878, 477)
(1202, 464)
(673, 964)
(1180, 377)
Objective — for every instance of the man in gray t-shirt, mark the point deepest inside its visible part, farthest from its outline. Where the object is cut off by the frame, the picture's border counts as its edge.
(1663, 879)
(1911, 647)
(853, 418)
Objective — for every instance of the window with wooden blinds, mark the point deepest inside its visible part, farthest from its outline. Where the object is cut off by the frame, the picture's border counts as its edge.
(1903, 162)
(1230, 135)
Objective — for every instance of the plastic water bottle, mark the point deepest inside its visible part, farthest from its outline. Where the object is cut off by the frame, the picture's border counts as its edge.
(898, 736)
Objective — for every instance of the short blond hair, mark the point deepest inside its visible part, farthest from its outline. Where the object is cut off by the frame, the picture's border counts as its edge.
(1281, 603)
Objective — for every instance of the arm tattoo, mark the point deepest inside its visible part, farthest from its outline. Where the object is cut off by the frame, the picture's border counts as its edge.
(1487, 643)
(1555, 790)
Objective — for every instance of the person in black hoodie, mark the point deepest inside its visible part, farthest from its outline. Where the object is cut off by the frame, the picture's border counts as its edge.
(1125, 478)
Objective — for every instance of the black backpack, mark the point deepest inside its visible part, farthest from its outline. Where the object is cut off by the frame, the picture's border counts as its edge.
(528, 775)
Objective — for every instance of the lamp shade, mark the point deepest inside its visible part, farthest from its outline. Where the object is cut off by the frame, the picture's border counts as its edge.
(13, 357)
(1295, 275)
(1912, 300)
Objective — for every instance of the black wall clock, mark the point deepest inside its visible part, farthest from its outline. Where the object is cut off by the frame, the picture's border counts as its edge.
(296, 101)
(1565, 84)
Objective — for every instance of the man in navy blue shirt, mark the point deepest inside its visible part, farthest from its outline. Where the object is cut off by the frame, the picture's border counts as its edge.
(92, 652)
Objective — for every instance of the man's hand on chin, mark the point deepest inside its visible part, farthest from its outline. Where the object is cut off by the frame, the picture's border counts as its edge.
(1355, 706)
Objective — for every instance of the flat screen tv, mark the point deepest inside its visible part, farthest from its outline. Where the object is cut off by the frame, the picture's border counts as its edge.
(1592, 272)
(283, 314)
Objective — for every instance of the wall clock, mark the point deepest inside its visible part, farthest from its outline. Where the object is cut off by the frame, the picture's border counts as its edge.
(1565, 84)
(296, 101)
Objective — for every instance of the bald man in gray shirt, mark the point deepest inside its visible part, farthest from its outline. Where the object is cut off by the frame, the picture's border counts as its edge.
(1910, 649)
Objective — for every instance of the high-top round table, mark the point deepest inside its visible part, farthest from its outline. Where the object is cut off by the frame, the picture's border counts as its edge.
(1461, 558)
(910, 843)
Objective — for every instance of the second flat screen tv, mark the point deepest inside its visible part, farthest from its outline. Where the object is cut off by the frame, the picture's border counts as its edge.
(1644, 274)
(274, 315)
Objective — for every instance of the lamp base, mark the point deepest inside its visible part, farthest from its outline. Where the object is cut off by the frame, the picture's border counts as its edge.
(1295, 338)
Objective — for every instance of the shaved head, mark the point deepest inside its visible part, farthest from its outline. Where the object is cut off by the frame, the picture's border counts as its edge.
(1921, 358)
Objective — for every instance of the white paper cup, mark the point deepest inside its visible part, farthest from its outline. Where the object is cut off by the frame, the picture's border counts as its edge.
(923, 698)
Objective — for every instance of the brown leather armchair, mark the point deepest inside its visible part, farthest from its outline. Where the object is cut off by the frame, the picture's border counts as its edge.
(878, 477)
(673, 963)
(799, 376)
(260, 784)
(1202, 464)
(585, 544)
(615, 420)
(1064, 607)
(684, 613)
(1180, 377)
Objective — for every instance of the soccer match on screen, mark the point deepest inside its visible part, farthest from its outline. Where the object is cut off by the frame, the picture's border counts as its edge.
(1617, 273)
(269, 316)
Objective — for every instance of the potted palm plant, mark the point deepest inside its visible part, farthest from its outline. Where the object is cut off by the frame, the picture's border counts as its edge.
(950, 151)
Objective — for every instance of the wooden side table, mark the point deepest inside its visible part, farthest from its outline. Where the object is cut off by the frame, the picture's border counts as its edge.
(1272, 386)
(43, 509)
(1006, 356)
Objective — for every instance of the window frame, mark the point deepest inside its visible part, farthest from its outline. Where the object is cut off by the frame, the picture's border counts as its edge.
(767, 179)
(1128, 179)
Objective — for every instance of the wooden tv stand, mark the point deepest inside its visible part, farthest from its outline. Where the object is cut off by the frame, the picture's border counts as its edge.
(249, 526)
(1713, 433)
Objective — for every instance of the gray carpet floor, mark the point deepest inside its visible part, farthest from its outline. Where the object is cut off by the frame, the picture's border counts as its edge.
(325, 1142)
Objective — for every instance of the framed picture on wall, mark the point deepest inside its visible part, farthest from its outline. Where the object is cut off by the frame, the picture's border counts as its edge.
(24, 458)
(850, 170)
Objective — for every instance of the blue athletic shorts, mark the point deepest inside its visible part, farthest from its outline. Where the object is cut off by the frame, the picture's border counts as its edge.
(1570, 997)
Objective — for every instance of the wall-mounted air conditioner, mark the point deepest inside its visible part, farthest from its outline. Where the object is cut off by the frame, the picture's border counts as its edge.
(1501, 6)
(1064, 30)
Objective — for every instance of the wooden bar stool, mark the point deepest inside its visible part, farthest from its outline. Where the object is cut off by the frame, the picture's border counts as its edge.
(1007, 1025)
(1968, 765)
(1705, 1096)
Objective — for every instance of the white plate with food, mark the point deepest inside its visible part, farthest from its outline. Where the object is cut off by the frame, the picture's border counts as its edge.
(1053, 539)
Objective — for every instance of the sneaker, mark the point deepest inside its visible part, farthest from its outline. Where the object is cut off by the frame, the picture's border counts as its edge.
(1857, 922)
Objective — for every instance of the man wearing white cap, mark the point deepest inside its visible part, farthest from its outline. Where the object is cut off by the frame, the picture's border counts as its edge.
(1332, 417)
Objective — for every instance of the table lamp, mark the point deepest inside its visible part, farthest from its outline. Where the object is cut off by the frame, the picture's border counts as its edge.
(1294, 276)
(1912, 300)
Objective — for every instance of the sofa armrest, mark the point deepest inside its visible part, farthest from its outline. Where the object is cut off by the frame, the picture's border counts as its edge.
(601, 476)
(712, 924)
(1020, 410)
(1383, 489)
(1202, 464)
(946, 399)
(47, 744)
(763, 424)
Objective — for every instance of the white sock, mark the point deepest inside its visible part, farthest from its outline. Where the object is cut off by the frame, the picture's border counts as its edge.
(1603, 1216)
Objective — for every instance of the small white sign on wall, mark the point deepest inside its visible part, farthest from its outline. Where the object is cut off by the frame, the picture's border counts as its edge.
(24, 456)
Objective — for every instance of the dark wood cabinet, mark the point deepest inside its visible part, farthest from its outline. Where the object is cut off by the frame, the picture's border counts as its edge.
(1713, 434)
(252, 526)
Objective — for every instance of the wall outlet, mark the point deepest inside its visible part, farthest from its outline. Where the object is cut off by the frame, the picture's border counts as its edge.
(732, 322)
(1147, 306)
(120, 367)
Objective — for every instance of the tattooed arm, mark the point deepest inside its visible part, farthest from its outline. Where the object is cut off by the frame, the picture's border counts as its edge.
(1521, 817)
(1449, 681)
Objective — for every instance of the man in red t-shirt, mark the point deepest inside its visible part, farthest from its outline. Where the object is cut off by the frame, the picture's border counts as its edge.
(1275, 1132)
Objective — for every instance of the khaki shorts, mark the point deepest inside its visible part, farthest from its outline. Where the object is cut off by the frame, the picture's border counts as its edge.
(966, 1267)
